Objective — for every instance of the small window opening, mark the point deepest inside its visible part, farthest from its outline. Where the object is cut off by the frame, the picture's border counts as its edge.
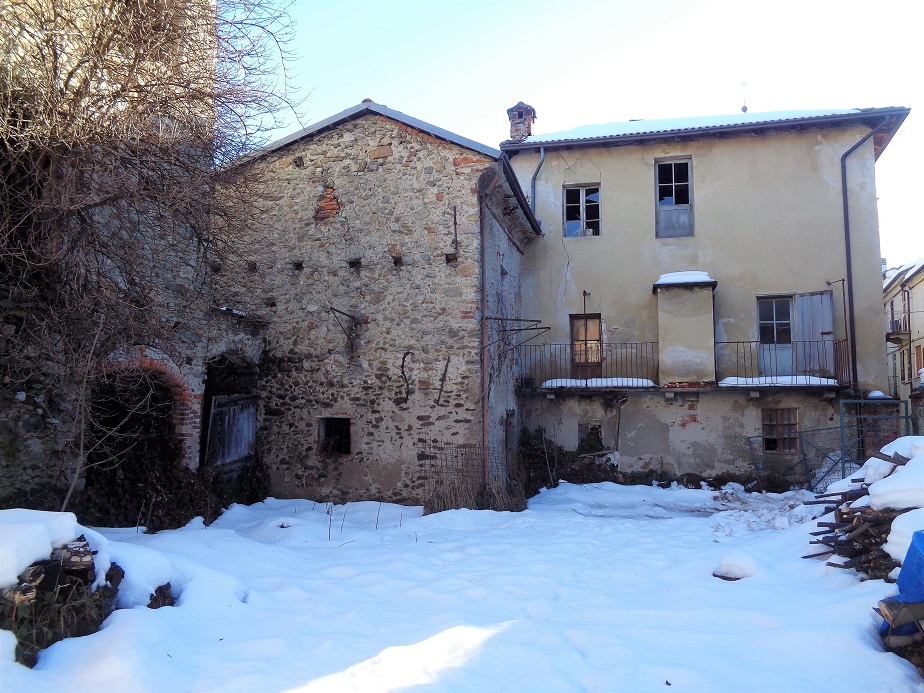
(355, 263)
(780, 429)
(451, 258)
(252, 267)
(298, 266)
(590, 436)
(335, 435)
(397, 260)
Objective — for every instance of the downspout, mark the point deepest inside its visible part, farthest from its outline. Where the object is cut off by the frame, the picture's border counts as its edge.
(482, 300)
(851, 327)
(532, 182)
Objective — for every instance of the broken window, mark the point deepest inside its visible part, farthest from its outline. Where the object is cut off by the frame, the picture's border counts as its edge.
(780, 429)
(590, 436)
(335, 435)
(674, 190)
(582, 211)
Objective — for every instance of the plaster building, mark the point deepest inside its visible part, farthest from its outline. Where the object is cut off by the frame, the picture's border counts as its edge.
(710, 286)
(903, 294)
(387, 274)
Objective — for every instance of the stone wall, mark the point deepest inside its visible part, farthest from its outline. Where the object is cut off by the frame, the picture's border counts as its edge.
(368, 276)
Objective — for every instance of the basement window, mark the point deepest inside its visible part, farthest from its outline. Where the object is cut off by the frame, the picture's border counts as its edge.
(355, 264)
(335, 435)
(590, 436)
(780, 429)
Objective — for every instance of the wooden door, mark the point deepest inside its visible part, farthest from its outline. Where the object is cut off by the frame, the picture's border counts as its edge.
(586, 346)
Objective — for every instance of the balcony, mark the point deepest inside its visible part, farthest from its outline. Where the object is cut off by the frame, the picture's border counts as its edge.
(590, 366)
(898, 328)
(820, 364)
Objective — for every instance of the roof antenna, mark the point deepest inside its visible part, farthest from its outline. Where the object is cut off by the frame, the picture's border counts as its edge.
(744, 99)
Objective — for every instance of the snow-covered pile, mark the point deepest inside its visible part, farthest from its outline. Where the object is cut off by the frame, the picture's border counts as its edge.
(896, 487)
(592, 588)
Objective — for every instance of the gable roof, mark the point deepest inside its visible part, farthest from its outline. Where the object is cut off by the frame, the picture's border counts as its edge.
(679, 129)
(366, 107)
(904, 274)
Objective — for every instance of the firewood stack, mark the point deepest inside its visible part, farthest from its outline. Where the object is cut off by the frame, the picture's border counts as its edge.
(857, 534)
(68, 565)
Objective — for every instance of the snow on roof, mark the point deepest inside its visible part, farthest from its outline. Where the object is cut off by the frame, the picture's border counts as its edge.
(684, 277)
(903, 273)
(665, 125)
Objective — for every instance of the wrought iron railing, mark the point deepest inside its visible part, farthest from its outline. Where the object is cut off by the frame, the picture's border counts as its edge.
(606, 365)
(897, 323)
(796, 363)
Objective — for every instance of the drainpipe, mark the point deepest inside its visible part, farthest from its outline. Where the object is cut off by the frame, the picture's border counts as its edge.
(532, 182)
(852, 328)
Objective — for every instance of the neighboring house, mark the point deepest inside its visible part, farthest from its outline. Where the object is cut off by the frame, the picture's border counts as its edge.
(387, 270)
(903, 295)
(710, 285)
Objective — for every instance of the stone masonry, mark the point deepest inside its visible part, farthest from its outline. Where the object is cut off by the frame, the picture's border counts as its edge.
(368, 275)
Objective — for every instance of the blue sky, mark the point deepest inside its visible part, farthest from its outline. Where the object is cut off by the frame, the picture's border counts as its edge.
(460, 65)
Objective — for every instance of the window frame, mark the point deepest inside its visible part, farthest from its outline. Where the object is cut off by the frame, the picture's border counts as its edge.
(587, 352)
(775, 322)
(779, 430)
(684, 209)
(329, 440)
(582, 188)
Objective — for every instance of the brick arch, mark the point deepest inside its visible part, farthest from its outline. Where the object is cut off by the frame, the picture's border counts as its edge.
(187, 410)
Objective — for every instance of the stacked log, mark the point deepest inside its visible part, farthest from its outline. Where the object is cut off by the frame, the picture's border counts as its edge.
(855, 537)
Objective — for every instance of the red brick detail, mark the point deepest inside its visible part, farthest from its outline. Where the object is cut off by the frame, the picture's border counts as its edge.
(187, 410)
(468, 313)
(328, 205)
(422, 135)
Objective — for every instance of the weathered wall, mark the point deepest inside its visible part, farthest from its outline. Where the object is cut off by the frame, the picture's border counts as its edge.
(381, 222)
(768, 220)
(703, 433)
(686, 331)
(502, 268)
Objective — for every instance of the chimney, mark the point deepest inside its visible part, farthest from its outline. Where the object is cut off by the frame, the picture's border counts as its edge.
(521, 121)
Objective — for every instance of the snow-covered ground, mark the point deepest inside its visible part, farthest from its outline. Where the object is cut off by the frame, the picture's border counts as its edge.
(592, 588)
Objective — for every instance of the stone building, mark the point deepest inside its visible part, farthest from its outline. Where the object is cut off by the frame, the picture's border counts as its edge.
(387, 271)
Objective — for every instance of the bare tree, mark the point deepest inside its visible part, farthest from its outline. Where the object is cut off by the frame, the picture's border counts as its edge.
(118, 120)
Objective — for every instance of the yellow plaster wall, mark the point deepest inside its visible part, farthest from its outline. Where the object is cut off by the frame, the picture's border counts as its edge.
(768, 220)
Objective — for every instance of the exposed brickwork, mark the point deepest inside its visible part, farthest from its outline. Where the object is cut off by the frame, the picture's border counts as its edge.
(187, 410)
(328, 205)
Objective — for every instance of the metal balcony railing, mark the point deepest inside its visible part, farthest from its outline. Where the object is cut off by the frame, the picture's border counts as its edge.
(591, 364)
(897, 323)
(806, 363)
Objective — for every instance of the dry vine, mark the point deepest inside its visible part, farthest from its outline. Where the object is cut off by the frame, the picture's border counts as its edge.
(118, 121)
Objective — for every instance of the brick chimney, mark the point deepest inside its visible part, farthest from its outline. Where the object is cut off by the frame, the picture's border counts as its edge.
(521, 121)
